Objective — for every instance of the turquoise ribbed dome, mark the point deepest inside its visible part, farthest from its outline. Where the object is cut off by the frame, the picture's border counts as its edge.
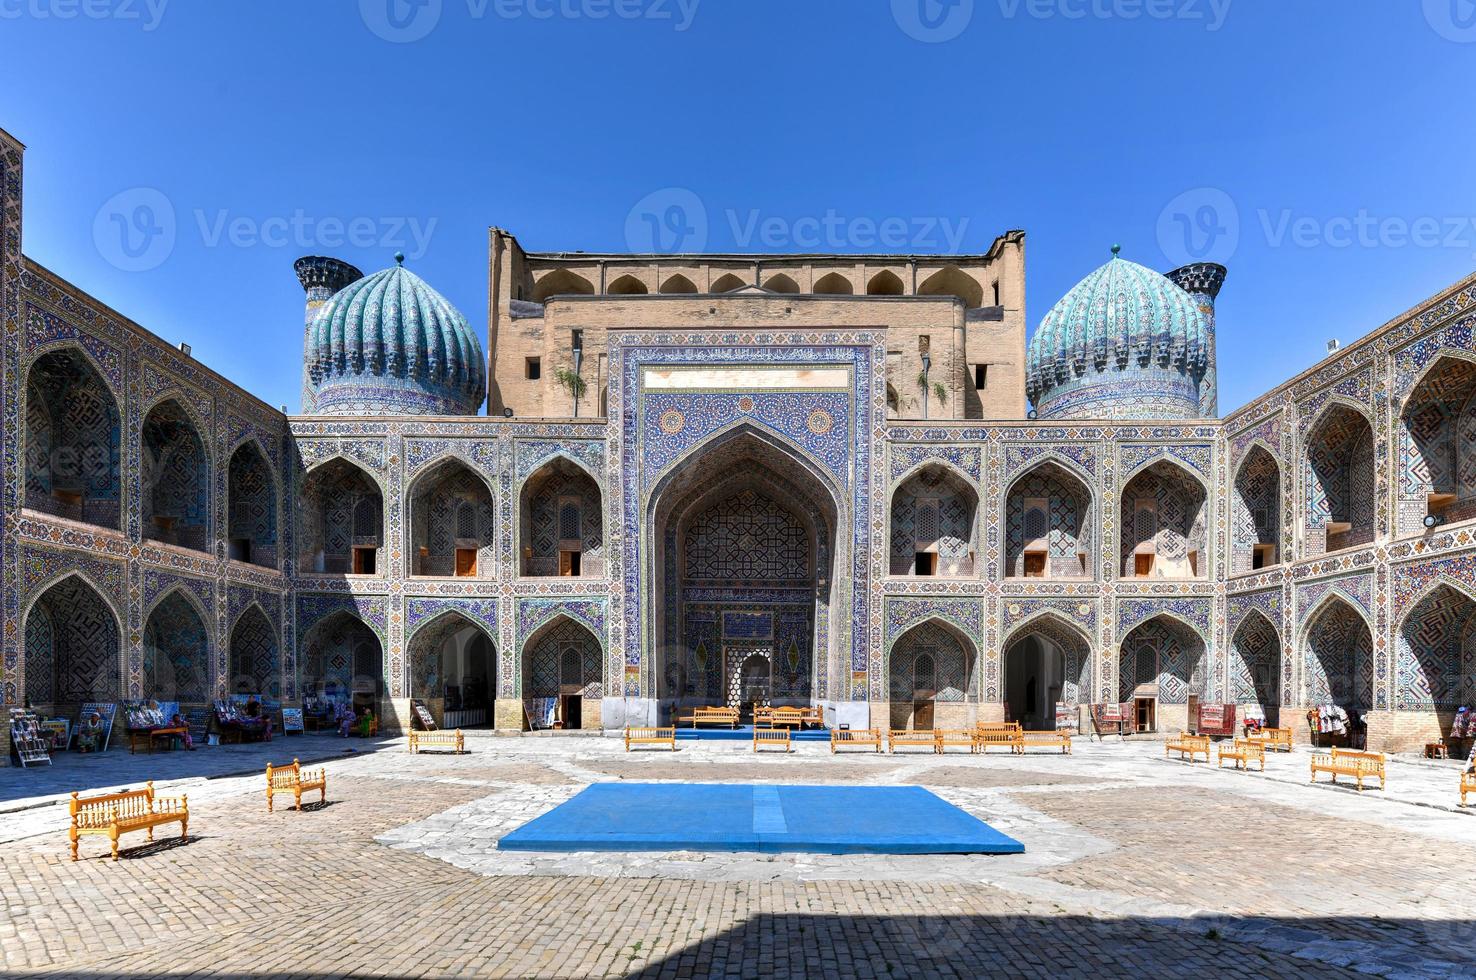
(389, 344)
(1125, 342)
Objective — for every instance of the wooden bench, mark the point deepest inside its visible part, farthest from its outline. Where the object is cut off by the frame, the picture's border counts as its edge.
(1350, 762)
(295, 780)
(787, 717)
(943, 738)
(148, 735)
(711, 716)
(454, 741)
(118, 813)
(771, 738)
(1468, 784)
(994, 734)
(911, 738)
(650, 736)
(1188, 746)
(1060, 740)
(855, 736)
(1279, 739)
(1242, 752)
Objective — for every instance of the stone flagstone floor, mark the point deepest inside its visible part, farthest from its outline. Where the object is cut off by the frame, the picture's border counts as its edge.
(1133, 863)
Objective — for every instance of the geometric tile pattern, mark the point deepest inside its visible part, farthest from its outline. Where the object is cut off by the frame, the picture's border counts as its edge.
(564, 659)
(1255, 664)
(177, 664)
(1166, 653)
(934, 510)
(252, 507)
(71, 644)
(1062, 523)
(1165, 506)
(1256, 507)
(930, 662)
(73, 433)
(1340, 476)
(1338, 663)
(1436, 650)
(255, 667)
(176, 478)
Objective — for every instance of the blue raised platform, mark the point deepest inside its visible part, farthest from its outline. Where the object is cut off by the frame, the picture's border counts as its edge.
(744, 733)
(774, 819)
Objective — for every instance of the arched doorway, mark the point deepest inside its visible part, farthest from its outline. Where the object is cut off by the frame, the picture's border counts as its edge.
(1435, 672)
(1437, 440)
(1046, 663)
(255, 667)
(451, 520)
(176, 478)
(1340, 481)
(934, 516)
(930, 678)
(563, 682)
(340, 514)
(1047, 529)
(176, 659)
(73, 440)
(1163, 524)
(1161, 664)
(251, 511)
(1338, 662)
(72, 648)
(453, 669)
(561, 523)
(1256, 509)
(1255, 666)
(343, 663)
(743, 539)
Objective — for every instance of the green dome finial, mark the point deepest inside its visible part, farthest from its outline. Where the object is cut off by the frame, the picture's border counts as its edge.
(1116, 251)
(399, 258)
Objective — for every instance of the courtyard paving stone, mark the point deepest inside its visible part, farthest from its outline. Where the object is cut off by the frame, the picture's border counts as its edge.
(1132, 863)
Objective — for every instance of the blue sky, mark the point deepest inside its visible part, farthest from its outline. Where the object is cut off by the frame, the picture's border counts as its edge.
(1322, 149)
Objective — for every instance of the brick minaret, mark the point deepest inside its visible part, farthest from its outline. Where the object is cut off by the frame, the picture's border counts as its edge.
(1203, 280)
(321, 277)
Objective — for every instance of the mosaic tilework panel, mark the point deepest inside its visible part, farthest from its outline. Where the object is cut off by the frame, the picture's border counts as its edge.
(1255, 663)
(73, 452)
(1197, 458)
(451, 508)
(1436, 653)
(177, 662)
(532, 454)
(748, 538)
(175, 478)
(818, 422)
(1338, 661)
(255, 662)
(1255, 507)
(1340, 476)
(252, 505)
(72, 647)
(902, 614)
(966, 459)
(1165, 653)
(1020, 458)
(1267, 602)
(930, 662)
(934, 511)
(718, 637)
(1166, 508)
(1410, 361)
(563, 505)
(1357, 589)
(532, 614)
(1196, 612)
(564, 659)
(1052, 506)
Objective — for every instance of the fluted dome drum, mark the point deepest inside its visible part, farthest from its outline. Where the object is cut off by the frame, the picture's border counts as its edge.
(1125, 342)
(389, 344)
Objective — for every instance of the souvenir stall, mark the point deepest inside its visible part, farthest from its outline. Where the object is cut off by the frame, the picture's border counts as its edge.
(30, 744)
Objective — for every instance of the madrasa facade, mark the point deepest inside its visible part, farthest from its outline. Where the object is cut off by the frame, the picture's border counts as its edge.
(661, 481)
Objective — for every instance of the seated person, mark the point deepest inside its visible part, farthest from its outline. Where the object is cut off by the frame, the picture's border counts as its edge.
(90, 733)
(256, 719)
(179, 722)
(365, 725)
